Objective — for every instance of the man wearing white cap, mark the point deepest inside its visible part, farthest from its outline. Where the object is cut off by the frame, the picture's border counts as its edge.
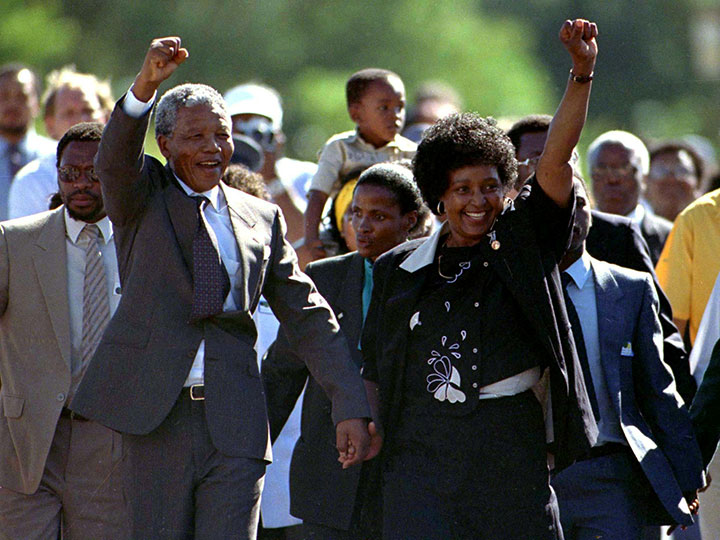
(256, 111)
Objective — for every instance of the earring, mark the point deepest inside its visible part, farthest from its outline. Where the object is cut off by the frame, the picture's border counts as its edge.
(440, 208)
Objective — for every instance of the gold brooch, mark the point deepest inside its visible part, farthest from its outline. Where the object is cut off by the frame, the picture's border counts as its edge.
(494, 242)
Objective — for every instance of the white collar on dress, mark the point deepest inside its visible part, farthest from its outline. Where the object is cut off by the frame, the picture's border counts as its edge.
(425, 253)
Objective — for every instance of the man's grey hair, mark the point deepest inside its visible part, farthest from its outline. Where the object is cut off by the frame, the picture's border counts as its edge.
(638, 151)
(185, 95)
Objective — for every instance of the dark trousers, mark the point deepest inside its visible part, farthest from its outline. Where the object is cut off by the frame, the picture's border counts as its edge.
(80, 491)
(179, 486)
(482, 475)
(602, 497)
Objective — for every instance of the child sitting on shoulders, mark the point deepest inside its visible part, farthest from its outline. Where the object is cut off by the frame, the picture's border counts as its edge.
(376, 104)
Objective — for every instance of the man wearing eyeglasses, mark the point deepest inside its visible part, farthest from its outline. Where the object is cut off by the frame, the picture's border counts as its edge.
(58, 288)
(612, 238)
(256, 112)
(618, 163)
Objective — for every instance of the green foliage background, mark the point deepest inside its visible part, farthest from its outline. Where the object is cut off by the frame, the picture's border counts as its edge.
(503, 57)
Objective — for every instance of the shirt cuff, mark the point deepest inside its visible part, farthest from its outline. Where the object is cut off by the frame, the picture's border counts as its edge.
(132, 106)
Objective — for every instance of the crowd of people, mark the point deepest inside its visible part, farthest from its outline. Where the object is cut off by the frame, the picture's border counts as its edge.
(436, 333)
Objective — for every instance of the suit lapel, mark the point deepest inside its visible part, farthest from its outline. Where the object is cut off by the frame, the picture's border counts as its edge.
(183, 216)
(50, 260)
(512, 265)
(611, 331)
(243, 222)
(348, 303)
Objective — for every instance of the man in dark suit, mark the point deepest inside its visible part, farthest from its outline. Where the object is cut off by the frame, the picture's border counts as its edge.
(641, 419)
(618, 163)
(176, 371)
(321, 492)
(334, 503)
(614, 239)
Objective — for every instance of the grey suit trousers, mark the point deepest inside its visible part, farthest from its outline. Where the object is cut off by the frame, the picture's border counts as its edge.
(80, 492)
(179, 486)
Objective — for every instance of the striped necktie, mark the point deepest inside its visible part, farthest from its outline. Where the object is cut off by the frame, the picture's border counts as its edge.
(96, 305)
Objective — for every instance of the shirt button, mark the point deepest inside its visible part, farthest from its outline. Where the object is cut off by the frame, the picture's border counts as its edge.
(477, 304)
(474, 385)
(474, 367)
(475, 350)
(485, 264)
(61, 397)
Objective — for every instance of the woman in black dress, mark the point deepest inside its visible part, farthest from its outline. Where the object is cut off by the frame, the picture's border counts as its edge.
(462, 325)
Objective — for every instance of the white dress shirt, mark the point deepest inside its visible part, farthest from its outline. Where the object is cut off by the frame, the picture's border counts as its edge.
(581, 291)
(33, 187)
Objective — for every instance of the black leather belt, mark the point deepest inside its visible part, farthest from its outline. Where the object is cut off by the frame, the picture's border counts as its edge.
(72, 415)
(196, 392)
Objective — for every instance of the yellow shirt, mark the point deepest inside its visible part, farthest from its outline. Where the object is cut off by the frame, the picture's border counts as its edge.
(690, 262)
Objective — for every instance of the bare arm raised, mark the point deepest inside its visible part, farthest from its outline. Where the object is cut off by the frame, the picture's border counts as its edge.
(554, 172)
(162, 59)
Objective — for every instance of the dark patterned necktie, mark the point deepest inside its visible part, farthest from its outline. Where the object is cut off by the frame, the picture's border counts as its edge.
(210, 279)
(580, 346)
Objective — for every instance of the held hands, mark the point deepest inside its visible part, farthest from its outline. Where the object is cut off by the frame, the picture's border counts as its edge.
(693, 504)
(162, 59)
(357, 441)
(578, 37)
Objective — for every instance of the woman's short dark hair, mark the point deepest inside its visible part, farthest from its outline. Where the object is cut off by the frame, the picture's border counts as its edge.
(456, 141)
(396, 178)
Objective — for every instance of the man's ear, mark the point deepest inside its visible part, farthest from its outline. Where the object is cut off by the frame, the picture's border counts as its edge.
(354, 111)
(50, 127)
(163, 143)
(411, 220)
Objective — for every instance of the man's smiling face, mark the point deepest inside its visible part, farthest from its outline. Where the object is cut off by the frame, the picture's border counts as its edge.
(200, 146)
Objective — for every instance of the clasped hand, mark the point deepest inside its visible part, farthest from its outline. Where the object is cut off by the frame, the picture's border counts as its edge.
(162, 59)
(357, 441)
(578, 37)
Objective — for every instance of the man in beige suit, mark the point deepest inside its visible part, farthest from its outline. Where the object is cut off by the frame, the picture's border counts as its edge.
(58, 287)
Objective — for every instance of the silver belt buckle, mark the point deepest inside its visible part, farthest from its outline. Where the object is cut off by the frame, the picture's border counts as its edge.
(201, 392)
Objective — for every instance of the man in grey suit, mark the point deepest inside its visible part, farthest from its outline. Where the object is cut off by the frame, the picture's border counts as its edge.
(176, 371)
(645, 467)
(58, 281)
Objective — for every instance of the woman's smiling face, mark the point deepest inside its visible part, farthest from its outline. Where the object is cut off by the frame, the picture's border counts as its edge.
(473, 200)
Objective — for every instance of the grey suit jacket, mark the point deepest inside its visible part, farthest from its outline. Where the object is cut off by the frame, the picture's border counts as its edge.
(144, 358)
(34, 344)
(321, 491)
(652, 417)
